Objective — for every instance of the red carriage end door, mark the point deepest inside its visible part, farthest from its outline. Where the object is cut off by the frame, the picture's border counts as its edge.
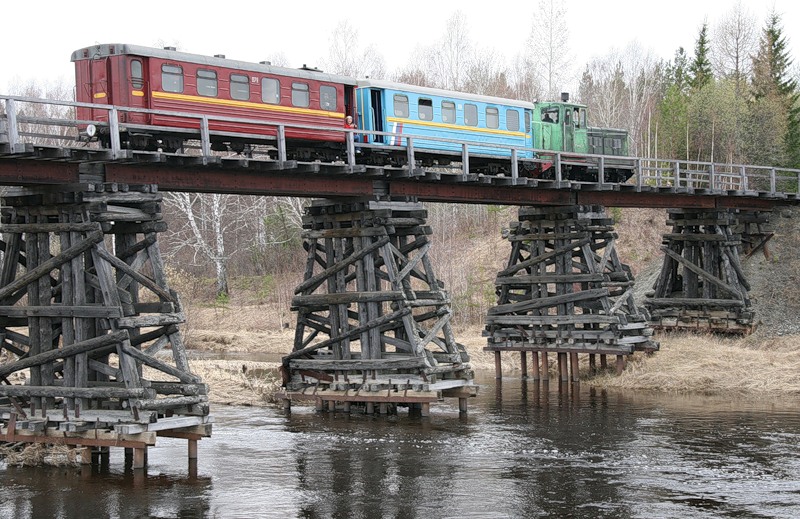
(136, 88)
(99, 86)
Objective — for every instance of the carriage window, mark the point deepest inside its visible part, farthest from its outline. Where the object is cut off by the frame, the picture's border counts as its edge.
(425, 109)
(448, 112)
(400, 105)
(512, 120)
(470, 115)
(527, 121)
(492, 118)
(327, 97)
(240, 87)
(137, 81)
(271, 91)
(300, 96)
(207, 83)
(172, 78)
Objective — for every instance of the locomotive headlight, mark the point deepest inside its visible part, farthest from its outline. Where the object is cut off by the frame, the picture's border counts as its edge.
(91, 130)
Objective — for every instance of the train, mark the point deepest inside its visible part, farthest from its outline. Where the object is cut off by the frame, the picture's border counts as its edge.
(156, 85)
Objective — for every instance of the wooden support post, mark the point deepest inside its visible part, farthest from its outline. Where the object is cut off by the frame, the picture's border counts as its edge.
(86, 455)
(603, 362)
(498, 369)
(383, 408)
(139, 457)
(563, 370)
(545, 367)
(620, 364)
(523, 363)
(535, 362)
(320, 405)
(192, 449)
(576, 375)
(370, 408)
(592, 363)
(425, 409)
(346, 407)
(462, 405)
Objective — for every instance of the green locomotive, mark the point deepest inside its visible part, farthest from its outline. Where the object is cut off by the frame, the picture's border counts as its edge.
(561, 126)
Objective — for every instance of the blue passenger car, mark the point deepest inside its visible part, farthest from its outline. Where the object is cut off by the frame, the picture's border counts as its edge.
(491, 125)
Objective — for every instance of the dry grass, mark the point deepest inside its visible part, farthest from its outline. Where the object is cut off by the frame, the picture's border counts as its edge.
(713, 365)
(238, 382)
(39, 454)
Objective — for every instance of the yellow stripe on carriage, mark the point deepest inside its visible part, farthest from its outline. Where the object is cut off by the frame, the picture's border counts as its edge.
(458, 127)
(245, 104)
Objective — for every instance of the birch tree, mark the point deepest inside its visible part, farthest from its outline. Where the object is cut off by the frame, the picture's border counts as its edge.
(347, 57)
(547, 49)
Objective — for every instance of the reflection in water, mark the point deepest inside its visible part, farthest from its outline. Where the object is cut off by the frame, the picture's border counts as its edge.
(524, 450)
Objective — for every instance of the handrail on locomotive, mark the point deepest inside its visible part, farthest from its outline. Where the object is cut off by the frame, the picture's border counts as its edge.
(691, 175)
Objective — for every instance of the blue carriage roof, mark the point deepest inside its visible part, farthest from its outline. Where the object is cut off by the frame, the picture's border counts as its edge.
(438, 92)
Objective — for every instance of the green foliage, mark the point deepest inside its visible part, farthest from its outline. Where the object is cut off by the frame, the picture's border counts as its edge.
(222, 300)
(700, 70)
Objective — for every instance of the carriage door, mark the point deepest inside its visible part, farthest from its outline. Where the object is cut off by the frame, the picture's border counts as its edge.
(135, 87)
(99, 87)
(376, 98)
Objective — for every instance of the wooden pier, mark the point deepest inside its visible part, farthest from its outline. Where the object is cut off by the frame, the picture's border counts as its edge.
(373, 321)
(702, 285)
(91, 352)
(565, 292)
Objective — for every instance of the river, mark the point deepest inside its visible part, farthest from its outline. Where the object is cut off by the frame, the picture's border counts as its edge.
(522, 451)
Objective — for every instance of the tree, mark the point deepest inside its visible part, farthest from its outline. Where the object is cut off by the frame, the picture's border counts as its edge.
(700, 72)
(773, 88)
(453, 55)
(346, 57)
(548, 48)
(734, 43)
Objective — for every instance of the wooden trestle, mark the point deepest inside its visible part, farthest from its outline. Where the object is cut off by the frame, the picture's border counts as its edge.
(85, 316)
(565, 291)
(701, 284)
(373, 321)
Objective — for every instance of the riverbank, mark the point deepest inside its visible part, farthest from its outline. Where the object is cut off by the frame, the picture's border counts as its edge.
(686, 363)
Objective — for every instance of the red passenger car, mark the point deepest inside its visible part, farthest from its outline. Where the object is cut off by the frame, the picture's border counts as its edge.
(169, 81)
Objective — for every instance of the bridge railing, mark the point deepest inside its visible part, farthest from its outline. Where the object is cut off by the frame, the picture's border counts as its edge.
(699, 175)
(45, 122)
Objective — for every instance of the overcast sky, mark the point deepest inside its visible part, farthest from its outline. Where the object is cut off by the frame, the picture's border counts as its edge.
(41, 35)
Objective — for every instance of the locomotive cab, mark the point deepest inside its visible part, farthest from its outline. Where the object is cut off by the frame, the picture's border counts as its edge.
(560, 126)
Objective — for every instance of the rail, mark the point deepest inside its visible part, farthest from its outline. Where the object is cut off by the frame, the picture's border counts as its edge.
(29, 121)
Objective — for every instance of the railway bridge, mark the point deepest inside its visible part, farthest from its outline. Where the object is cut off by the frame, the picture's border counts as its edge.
(87, 311)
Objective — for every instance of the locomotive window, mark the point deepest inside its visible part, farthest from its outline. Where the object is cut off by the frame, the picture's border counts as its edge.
(527, 121)
(207, 83)
(137, 80)
(300, 96)
(425, 109)
(240, 87)
(492, 117)
(327, 97)
(172, 78)
(470, 115)
(550, 115)
(400, 105)
(448, 112)
(271, 91)
(512, 120)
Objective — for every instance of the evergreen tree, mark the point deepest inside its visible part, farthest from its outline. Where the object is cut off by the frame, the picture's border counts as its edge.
(700, 70)
(772, 86)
